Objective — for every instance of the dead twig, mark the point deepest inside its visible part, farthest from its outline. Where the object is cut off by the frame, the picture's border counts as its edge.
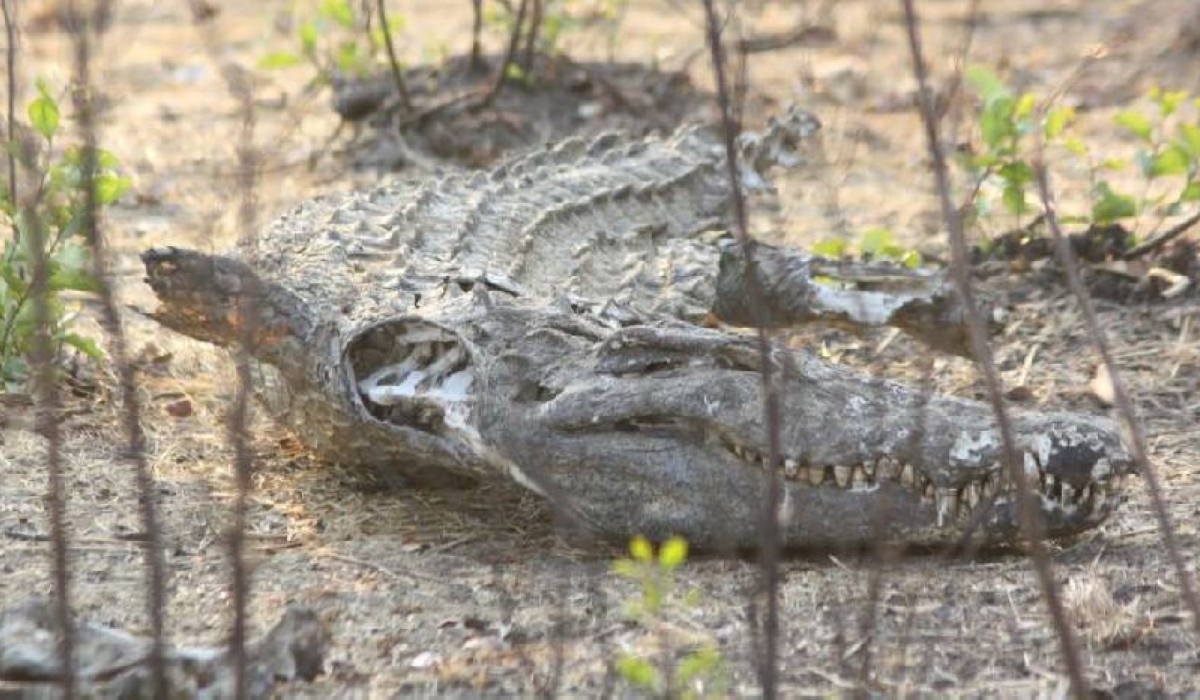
(1129, 417)
(1028, 515)
(476, 31)
(10, 31)
(1161, 239)
(48, 402)
(82, 24)
(510, 55)
(397, 74)
(768, 676)
(535, 25)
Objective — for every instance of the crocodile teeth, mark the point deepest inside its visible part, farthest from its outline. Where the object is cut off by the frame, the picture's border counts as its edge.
(970, 495)
(842, 474)
(816, 476)
(791, 468)
(908, 475)
(1069, 494)
(859, 479)
(945, 501)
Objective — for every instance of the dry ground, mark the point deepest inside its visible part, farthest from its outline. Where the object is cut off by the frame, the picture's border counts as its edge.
(472, 593)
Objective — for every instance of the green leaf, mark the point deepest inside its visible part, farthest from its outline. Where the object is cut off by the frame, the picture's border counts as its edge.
(986, 83)
(71, 270)
(874, 240)
(1173, 160)
(996, 124)
(1017, 173)
(515, 72)
(1113, 164)
(280, 59)
(673, 553)
(1136, 123)
(639, 673)
(308, 38)
(912, 260)
(1169, 101)
(43, 114)
(1024, 106)
(641, 549)
(351, 58)
(1109, 206)
(1076, 146)
(697, 664)
(1191, 193)
(832, 248)
(109, 188)
(1057, 120)
(1013, 198)
(339, 11)
(627, 568)
(1189, 139)
(85, 345)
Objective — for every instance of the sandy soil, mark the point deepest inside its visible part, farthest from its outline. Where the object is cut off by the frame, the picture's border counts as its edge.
(473, 594)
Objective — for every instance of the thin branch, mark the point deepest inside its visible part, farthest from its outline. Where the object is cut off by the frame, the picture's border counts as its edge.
(10, 31)
(1028, 514)
(514, 41)
(397, 74)
(81, 26)
(535, 25)
(48, 414)
(476, 31)
(1133, 425)
(1161, 239)
(770, 544)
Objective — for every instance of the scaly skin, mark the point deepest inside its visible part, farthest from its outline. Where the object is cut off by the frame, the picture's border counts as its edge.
(533, 322)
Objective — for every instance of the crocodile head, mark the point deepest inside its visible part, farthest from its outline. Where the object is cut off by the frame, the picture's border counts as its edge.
(639, 425)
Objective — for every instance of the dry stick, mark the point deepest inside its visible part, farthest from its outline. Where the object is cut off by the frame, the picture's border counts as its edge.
(1161, 239)
(48, 410)
(239, 86)
(535, 23)
(476, 31)
(514, 40)
(770, 522)
(239, 415)
(397, 74)
(10, 31)
(1028, 515)
(1133, 424)
(81, 24)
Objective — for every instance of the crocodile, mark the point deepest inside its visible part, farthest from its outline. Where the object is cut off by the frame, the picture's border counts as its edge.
(568, 319)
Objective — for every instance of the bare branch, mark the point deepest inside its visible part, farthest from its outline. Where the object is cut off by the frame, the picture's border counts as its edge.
(1028, 515)
(10, 32)
(770, 524)
(1133, 425)
(81, 26)
(397, 74)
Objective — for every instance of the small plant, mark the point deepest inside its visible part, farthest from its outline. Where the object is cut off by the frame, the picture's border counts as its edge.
(552, 21)
(1014, 129)
(873, 244)
(54, 200)
(700, 673)
(335, 41)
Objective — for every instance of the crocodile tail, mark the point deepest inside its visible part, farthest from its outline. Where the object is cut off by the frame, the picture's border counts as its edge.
(786, 141)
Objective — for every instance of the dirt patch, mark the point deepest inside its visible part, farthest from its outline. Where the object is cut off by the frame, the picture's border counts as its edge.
(470, 593)
(561, 98)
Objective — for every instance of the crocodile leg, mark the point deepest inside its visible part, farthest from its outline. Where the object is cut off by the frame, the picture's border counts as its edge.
(796, 288)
